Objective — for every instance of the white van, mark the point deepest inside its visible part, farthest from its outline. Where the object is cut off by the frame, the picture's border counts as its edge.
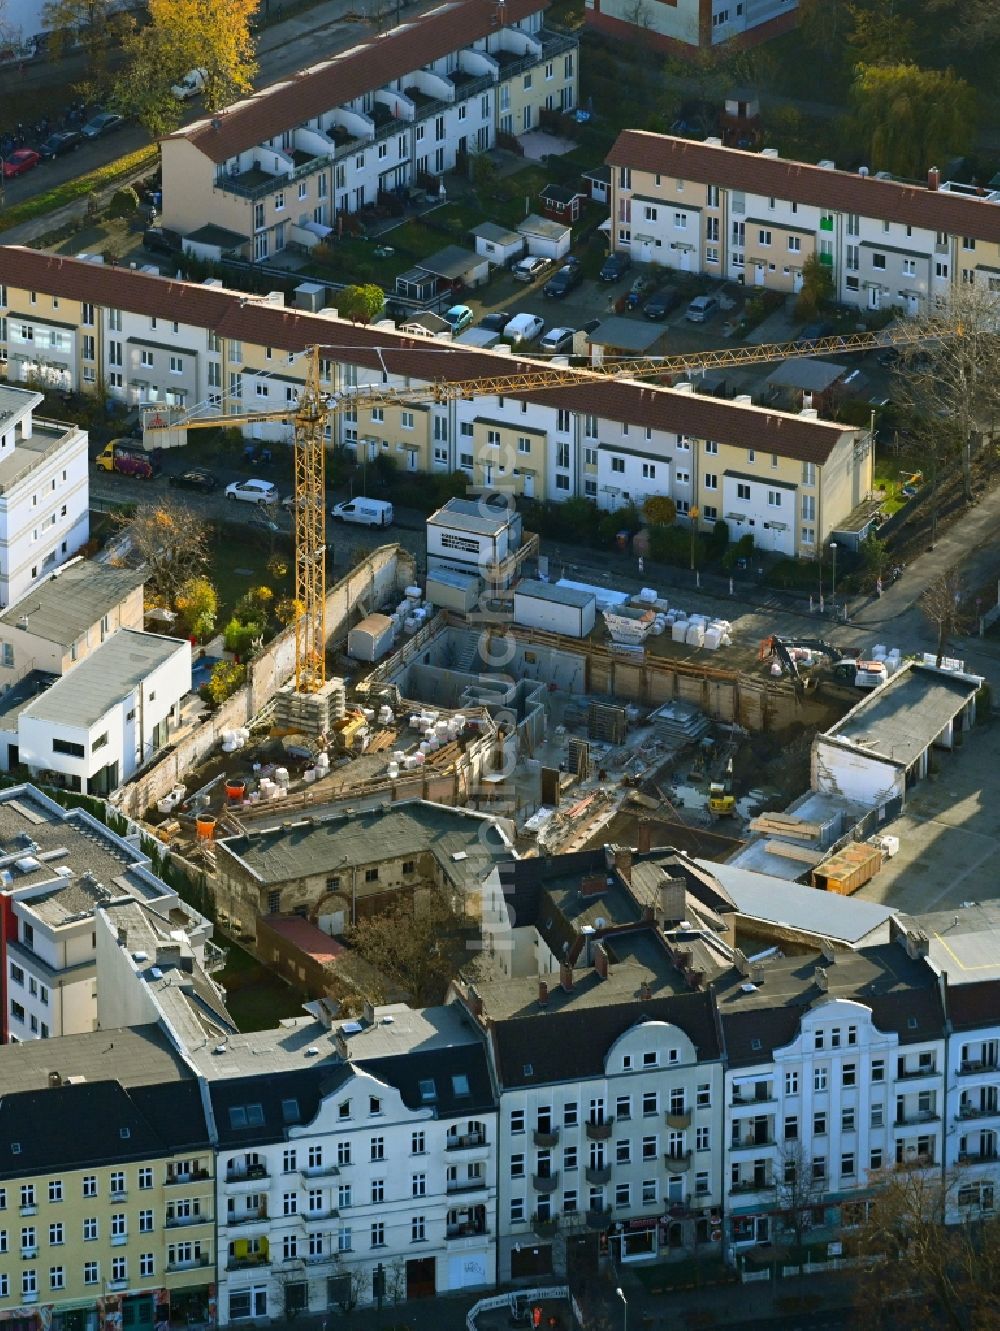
(190, 85)
(366, 512)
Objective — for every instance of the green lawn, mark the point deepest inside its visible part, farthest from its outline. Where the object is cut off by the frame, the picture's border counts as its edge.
(255, 996)
(238, 561)
(891, 474)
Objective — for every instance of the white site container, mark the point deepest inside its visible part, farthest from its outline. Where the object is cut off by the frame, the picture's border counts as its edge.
(678, 630)
(695, 635)
(564, 610)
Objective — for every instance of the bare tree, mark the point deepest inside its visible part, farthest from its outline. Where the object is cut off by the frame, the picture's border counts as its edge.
(419, 947)
(916, 1270)
(171, 541)
(347, 1284)
(798, 1191)
(941, 603)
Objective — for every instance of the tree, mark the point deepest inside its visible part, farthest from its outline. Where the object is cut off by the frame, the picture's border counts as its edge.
(798, 1192)
(213, 35)
(225, 679)
(483, 172)
(817, 287)
(659, 511)
(361, 304)
(880, 33)
(950, 1274)
(99, 26)
(941, 604)
(198, 605)
(418, 948)
(909, 118)
(124, 202)
(874, 558)
(172, 541)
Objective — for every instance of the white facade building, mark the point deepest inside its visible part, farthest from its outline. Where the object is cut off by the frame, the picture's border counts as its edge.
(95, 726)
(364, 1162)
(474, 536)
(44, 493)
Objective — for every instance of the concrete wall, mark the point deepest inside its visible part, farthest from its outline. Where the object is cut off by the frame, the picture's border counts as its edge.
(853, 775)
(384, 573)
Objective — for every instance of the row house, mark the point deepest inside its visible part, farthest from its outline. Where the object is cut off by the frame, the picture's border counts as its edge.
(106, 1189)
(685, 27)
(787, 479)
(360, 1167)
(756, 218)
(291, 161)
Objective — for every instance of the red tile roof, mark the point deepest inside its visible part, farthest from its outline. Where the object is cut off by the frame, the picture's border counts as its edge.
(804, 182)
(237, 316)
(304, 936)
(349, 74)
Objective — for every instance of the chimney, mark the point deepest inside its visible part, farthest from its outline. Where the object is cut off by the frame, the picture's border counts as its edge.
(644, 836)
(54, 1080)
(601, 960)
(593, 885)
(670, 903)
(474, 1002)
(933, 178)
(917, 944)
(369, 1013)
(645, 993)
(740, 961)
(566, 976)
(695, 978)
(648, 915)
(822, 979)
(543, 993)
(623, 862)
(829, 951)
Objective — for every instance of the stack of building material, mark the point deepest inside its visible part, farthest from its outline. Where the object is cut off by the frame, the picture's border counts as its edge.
(607, 723)
(310, 713)
(784, 825)
(678, 724)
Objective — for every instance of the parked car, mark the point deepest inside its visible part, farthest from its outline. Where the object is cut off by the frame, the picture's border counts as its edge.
(558, 339)
(526, 270)
(561, 283)
(364, 512)
(20, 160)
(496, 323)
(701, 308)
(190, 85)
(615, 266)
(524, 328)
(102, 123)
(460, 318)
(196, 478)
(161, 240)
(253, 492)
(56, 145)
(661, 302)
(640, 288)
(810, 332)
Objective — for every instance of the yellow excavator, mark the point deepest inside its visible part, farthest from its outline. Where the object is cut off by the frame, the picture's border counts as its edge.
(721, 800)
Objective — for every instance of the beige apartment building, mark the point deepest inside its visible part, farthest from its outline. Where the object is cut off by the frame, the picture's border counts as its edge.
(286, 165)
(791, 480)
(756, 217)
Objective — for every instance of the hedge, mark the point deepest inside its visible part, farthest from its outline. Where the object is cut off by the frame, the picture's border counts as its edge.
(79, 188)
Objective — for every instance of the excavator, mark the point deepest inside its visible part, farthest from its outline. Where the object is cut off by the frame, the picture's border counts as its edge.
(721, 800)
(847, 663)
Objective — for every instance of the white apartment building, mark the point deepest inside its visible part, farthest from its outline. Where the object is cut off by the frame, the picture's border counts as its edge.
(756, 217)
(44, 495)
(57, 868)
(683, 27)
(361, 1165)
(836, 1071)
(611, 1078)
(284, 165)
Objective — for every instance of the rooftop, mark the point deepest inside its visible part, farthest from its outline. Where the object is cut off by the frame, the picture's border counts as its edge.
(450, 263)
(811, 376)
(212, 234)
(466, 845)
(47, 437)
(498, 235)
(808, 183)
(133, 1056)
(628, 334)
(15, 401)
(898, 720)
(74, 598)
(305, 936)
(113, 671)
(473, 515)
(965, 943)
(360, 69)
(534, 225)
(547, 591)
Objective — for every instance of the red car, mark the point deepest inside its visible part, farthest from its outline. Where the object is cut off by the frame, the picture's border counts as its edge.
(21, 160)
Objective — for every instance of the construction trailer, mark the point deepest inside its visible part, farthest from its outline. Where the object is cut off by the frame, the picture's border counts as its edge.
(565, 610)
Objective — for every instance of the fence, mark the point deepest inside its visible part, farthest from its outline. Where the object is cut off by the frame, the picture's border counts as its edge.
(382, 573)
(529, 1296)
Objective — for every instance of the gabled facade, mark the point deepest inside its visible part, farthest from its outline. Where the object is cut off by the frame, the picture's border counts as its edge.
(756, 218)
(294, 160)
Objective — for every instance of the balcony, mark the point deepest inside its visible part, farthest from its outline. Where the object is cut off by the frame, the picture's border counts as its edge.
(913, 1116)
(910, 1074)
(970, 1067)
(990, 1156)
(117, 1284)
(190, 1263)
(545, 1182)
(678, 1118)
(978, 1111)
(472, 1141)
(749, 1143)
(119, 1240)
(257, 1217)
(183, 1221)
(119, 1195)
(546, 1140)
(545, 1226)
(599, 1217)
(677, 1161)
(194, 1176)
(465, 1185)
(319, 1171)
(246, 1173)
(598, 1174)
(740, 1101)
(28, 1253)
(749, 1185)
(29, 1209)
(250, 1260)
(599, 1132)
(466, 1231)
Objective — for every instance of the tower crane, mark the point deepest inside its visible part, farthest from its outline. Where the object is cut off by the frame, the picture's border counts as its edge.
(315, 407)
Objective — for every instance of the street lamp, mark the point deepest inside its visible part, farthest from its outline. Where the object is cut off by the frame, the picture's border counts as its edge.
(621, 1294)
(833, 577)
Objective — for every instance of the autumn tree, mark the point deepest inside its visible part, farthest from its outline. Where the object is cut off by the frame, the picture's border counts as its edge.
(198, 605)
(950, 1275)
(172, 542)
(941, 605)
(98, 27)
(418, 946)
(909, 119)
(361, 304)
(817, 287)
(659, 511)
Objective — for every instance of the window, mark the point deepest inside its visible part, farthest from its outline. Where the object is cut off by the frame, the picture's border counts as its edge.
(145, 1222)
(418, 1229)
(877, 1116)
(909, 267)
(875, 1158)
(764, 237)
(649, 1103)
(819, 1079)
(849, 1074)
(878, 262)
(119, 1268)
(847, 1118)
(176, 364)
(516, 1210)
(742, 490)
(847, 1165)
(90, 1230)
(145, 1178)
(91, 1273)
(702, 1138)
(711, 480)
(378, 1234)
(623, 1195)
(290, 1203)
(56, 1234)
(794, 244)
(680, 221)
(288, 1162)
(377, 1145)
(418, 1143)
(147, 1264)
(819, 1168)
(569, 1158)
(878, 1069)
(618, 465)
(571, 1115)
(703, 1097)
(377, 1190)
(623, 1152)
(649, 1148)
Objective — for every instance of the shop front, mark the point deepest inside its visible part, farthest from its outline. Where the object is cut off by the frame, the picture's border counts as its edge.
(638, 1239)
